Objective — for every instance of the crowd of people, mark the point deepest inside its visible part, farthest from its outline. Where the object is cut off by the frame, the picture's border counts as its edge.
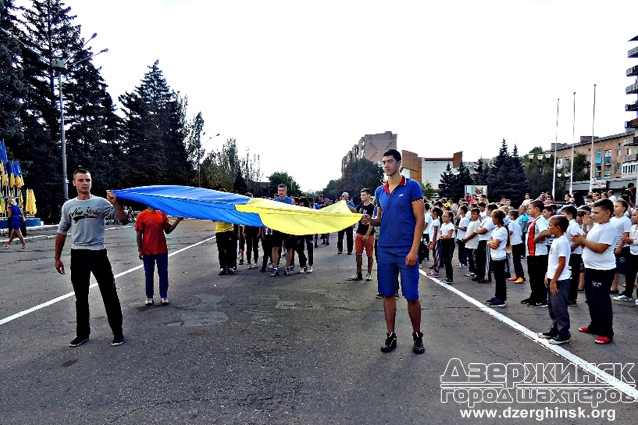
(568, 249)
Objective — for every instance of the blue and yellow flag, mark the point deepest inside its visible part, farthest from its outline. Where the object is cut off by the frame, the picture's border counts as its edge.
(207, 204)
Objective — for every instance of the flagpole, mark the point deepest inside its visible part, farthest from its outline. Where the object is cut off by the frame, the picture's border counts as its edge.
(571, 171)
(555, 146)
(593, 120)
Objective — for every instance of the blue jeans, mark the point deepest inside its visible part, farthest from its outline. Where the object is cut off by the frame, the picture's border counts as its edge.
(162, 271)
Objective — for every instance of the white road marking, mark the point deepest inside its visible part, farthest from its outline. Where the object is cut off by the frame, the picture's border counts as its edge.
(70, 294)
(556, 349)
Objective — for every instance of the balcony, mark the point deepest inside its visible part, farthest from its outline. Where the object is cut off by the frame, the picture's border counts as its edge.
(607, 160)
(630, 158)
(632, 89)
(630, 141)
(632, 124)
(632, 71)
(633, 53)
(631, 107)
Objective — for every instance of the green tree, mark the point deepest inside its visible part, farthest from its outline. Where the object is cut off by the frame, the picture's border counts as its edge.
(357, 175)
(155, 131)
(538, 169)
(506, 178)
(48, 35)
(11, 78)
(279, 177)
(427, 189)
(447, 183)
(224, 168)
(481, 172)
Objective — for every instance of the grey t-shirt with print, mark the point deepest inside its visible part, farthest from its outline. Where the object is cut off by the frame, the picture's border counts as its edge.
(86, 218)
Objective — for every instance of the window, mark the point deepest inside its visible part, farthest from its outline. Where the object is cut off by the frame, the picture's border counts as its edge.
(619, 152)
(559, 163)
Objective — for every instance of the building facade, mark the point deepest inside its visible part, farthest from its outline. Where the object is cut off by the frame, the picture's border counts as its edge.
(370, 147)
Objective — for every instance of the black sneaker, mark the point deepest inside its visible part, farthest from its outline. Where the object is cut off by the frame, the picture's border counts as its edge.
(390, 342)
(571, 302)
(539, 304)
(418, 342)
(559, 340)
(356, 276)
(231, 270)
(379, 296)
(490, 300)
(222, 272)
(117, 340)
(448, 281)
(396, 296)
(547, 335)
(525, 301)
(78, 340)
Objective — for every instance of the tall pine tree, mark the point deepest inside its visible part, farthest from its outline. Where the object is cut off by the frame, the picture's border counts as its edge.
(154, 133)
(48, 35)
(11, 79)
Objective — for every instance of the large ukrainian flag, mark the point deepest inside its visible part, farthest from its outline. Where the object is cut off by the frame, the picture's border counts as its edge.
(207, 204)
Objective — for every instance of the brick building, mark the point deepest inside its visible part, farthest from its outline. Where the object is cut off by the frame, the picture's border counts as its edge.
(371, 147)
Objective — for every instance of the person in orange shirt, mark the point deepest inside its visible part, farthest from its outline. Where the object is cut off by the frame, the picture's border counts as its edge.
(150, 226)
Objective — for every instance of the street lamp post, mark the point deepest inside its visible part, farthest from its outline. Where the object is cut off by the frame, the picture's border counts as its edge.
(538, 160)
(62, 65)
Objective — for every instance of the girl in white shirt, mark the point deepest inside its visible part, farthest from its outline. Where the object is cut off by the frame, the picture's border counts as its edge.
(600, 268)
(434, 244)
(498, 257)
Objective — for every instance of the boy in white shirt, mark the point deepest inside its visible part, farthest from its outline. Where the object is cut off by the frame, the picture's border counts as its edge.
(557, 281)
(461, 228)
(471, 240)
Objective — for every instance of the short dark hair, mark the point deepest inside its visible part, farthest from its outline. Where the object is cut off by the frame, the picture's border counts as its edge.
(481, 204)
(438, 211)
(560, 221)
(537, 204)
(282, 185)
(475, 211)
(80, 171)
(624, 203)
(569, 209)
(393, 153)
(493, 207)
(366, 190)
(514, 213)
(605, 204)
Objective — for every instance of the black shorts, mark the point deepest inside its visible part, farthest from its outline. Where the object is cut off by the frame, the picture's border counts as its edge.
(279, 238)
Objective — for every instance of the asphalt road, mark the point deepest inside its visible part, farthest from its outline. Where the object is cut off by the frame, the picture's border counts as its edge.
(250, 349)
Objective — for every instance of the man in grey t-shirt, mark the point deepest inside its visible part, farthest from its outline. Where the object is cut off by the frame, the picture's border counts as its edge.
(84, 216)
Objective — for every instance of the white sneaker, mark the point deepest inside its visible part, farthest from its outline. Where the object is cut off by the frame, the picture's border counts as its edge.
(368, 276)
(622, 297)
(149, 301)
(636, 302)
(303, 270)
(250, 266)
(309, 269)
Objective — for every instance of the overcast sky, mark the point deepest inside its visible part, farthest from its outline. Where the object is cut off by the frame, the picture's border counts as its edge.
(299, 82)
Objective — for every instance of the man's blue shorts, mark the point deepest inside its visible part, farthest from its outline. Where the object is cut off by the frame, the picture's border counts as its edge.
(390, 264)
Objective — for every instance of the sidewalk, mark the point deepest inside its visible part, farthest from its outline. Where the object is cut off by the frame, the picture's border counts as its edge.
(34, 232)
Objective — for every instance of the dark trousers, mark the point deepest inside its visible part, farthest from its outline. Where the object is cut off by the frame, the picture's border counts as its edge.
(462, 253)
(481, 259)
(500, 288)
(447, 253)
(226, 249)
(470, 260)
(597, 287)
(557, 305)
(252, 247)
(266, 245)
(630, 277)
(537, 268)
(518, 251)
(83, 263)
(162, 272)
(299, 248)
(349, 239)
(574, 265)
(426, 250)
